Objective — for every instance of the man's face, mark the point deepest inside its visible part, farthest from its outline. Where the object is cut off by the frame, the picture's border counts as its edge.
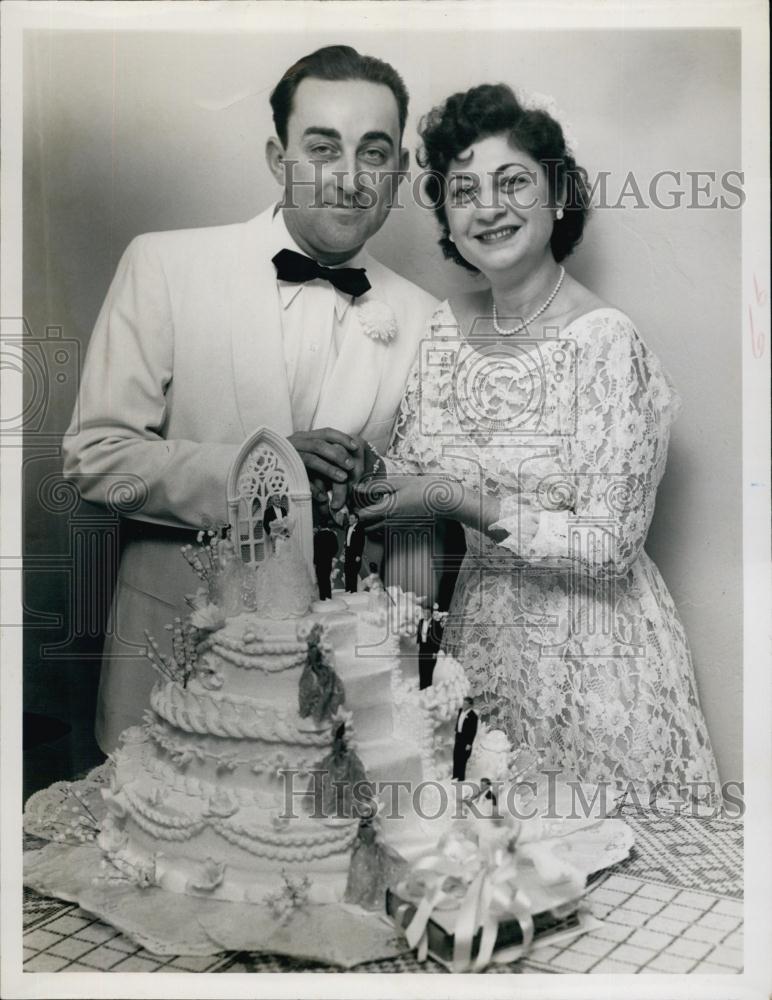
(340, 166)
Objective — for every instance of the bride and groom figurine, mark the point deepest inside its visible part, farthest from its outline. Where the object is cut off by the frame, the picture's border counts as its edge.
(277, 524)
(325, 551)
(297, 285)
(326, 547)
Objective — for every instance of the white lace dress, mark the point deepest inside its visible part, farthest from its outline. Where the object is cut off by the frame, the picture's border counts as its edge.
(566, 629)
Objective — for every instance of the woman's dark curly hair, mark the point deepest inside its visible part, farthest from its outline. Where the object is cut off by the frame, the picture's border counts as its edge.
(493, 109)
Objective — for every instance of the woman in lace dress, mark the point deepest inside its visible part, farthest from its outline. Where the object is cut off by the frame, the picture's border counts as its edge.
(538, 418)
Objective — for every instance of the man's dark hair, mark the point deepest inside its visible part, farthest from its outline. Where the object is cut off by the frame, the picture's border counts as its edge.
(335, 62)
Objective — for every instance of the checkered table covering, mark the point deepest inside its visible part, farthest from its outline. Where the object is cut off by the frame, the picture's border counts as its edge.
(674, 906)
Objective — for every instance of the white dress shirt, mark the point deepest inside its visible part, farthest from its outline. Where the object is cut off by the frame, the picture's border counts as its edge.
(461, 718)
(315, 320)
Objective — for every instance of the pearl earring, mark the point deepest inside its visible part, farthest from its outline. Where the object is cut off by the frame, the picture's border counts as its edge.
(451, 238)
(559, 213)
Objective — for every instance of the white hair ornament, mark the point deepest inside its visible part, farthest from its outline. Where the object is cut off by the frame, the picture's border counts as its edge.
(532, 101)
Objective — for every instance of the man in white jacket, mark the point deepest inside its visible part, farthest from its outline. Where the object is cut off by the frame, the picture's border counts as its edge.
(206, 334)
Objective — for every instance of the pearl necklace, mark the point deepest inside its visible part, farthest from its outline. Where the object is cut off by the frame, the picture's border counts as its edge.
(502, 331)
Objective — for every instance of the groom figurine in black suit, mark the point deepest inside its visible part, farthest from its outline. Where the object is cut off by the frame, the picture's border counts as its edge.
(355, 543)
(429, 638)
(466, 730)
(325, 550)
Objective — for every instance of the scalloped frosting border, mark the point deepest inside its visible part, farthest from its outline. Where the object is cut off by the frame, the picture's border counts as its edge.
(233, 716)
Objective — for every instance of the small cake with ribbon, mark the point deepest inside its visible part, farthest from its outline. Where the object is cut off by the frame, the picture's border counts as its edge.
(475, 899)
(490, 757)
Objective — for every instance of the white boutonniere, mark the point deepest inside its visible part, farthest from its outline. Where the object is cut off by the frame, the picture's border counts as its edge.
(377, 320)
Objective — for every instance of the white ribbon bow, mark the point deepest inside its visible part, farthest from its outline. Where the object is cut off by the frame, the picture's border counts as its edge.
(483, 889)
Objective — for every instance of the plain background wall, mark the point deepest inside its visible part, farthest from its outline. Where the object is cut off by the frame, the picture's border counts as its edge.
(134, 132)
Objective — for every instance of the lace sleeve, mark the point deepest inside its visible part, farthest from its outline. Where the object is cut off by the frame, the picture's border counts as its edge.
(410, 450)
(596, 516)
(402, 456)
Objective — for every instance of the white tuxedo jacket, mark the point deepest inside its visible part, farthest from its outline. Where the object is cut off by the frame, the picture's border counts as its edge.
(185, 361)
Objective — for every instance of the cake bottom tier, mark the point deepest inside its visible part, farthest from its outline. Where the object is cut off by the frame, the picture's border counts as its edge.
(241, 880)
(210, 845)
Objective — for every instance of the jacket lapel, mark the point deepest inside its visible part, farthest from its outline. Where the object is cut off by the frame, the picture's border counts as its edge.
(259, 371)
(348, 398)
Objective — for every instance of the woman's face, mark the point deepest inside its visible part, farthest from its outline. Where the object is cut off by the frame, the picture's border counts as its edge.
(497, 207)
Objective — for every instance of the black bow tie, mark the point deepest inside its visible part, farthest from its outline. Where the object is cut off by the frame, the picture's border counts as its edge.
(295, 267)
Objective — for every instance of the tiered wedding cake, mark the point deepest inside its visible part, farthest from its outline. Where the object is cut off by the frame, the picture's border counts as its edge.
(277, 719)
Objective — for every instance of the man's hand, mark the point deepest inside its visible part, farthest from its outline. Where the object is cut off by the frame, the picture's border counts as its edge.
(332, 459)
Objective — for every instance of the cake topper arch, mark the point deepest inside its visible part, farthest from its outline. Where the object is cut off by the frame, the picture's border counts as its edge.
(268, 467)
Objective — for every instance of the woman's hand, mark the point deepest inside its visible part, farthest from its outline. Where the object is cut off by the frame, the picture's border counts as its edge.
(400, 497)
(403, 497)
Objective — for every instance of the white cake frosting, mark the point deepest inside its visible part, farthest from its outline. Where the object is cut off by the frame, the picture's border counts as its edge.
(210, 796)
(199, 798)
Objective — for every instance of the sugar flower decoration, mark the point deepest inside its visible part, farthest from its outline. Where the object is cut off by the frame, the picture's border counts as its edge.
(209, 876)
(221, 803)
(210, 679)
(133, 735)
(114, 804)
(112, 838)
(291, 897)
(73, 821)
(143, 874)
(181, 757)
(154, 797)
(207, 617)
(377, 320)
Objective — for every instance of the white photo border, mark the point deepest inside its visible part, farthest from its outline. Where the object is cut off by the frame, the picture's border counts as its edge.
(750, 18)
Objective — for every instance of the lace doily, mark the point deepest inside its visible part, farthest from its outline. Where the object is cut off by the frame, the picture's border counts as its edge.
(49, 814)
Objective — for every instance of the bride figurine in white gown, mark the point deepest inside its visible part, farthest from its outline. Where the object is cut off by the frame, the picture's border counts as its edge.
(539, 419)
